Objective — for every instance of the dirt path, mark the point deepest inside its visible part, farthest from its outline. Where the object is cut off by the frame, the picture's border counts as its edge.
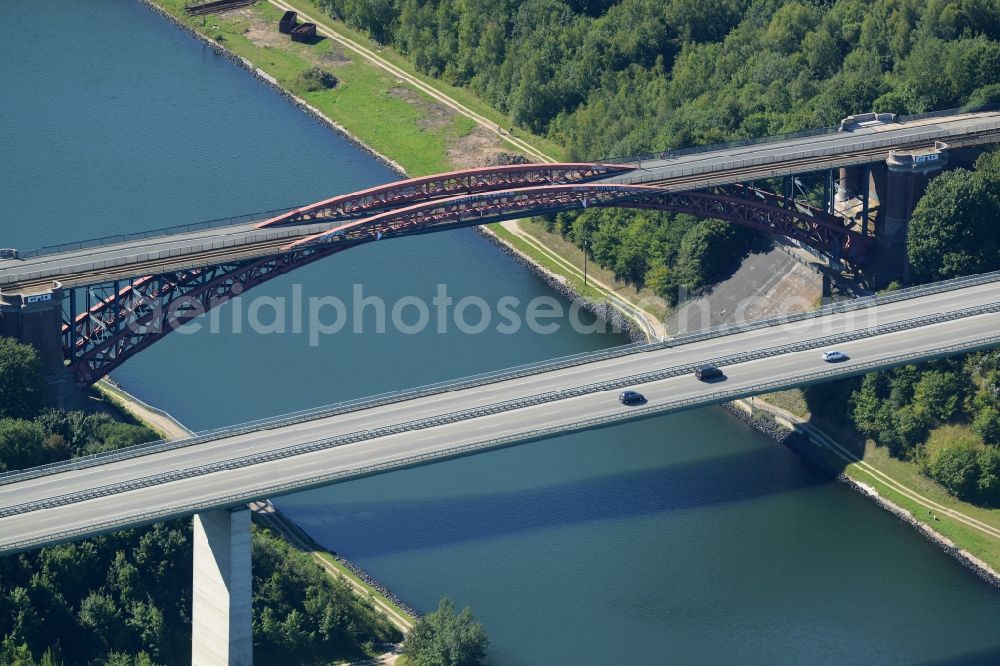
(382, 63)
(652, 326)
(266, 511)
(157, 419)
(831, 444)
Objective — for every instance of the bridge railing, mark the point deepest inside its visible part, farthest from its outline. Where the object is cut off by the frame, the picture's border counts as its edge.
(153, 233)
(778, 138)
(276, 489)
(379, 400)
(491, 409)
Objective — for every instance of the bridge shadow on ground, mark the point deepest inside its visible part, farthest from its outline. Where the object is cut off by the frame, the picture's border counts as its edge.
(407, 525)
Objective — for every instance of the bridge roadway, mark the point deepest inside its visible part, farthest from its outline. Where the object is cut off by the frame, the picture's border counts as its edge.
(689, 172)
(557, 400)
(862, 145)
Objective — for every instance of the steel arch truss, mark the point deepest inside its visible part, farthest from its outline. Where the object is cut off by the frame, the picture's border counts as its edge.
(756, 209)
(414, 190)
(121, 319)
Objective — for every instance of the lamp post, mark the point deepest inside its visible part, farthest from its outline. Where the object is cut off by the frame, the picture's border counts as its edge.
(586, 244)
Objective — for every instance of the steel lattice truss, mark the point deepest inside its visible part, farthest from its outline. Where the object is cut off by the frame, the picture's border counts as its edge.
(739, 205)
(122, 319)
(406, 192)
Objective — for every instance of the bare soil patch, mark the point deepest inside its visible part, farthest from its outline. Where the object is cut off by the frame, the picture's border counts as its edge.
(475, 149)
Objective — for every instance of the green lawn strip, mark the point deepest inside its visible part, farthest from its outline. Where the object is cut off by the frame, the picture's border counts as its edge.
(975, 542)
(120, 402)
(971, 540)
(792, 400)
(327, 557)
(574, 255)
(463, 96)
(909, 474)
(548, 263)
(362, 101)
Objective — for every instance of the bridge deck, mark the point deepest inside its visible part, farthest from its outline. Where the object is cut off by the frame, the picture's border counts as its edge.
(148, 256)
(729, 165)
(556, 399)
(780, 158)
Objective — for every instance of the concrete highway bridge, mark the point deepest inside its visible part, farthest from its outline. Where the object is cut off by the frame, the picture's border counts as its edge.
(214, 475)
(98, 303)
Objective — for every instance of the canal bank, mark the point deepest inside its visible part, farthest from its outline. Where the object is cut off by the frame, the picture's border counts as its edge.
(688, 536)
(826, 454)
(550, 275)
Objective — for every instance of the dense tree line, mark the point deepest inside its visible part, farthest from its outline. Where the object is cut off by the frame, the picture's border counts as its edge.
(667, 253)
(614, 77)
(898, 408)
(619, 77)
(125, 598)
(954, 229)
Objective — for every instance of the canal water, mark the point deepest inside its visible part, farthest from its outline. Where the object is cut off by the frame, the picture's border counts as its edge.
(686, 538)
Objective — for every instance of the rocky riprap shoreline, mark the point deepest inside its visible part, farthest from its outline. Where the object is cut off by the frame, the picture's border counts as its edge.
(803, 446)
(273, 83)
(765, 425)
(618, 322)
(374, 584)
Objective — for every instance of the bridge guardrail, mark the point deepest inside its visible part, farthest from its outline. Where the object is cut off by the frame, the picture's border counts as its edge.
(276, 489)
(924, 138)
(154, 233)
(786, 136)
(487, 410)
(379, 400)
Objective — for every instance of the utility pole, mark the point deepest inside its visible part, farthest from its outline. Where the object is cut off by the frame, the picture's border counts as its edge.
(586, 244)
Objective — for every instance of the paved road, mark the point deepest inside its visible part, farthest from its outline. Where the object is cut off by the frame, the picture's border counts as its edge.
(237, 486)
(222, 244)
(765, 160)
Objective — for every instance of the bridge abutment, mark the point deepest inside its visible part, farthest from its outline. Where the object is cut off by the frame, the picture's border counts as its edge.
(908, 172)
(36, 319)
(221, 632)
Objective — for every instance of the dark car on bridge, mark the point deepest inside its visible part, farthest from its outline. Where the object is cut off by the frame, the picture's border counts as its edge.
(631, 397)
(707, 373)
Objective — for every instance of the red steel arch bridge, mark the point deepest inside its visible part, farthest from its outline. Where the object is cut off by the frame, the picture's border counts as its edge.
(112, 320)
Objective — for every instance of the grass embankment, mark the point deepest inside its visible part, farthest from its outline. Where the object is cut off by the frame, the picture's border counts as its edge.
(387, 114)
(298, 538)
(866, 467)
(407, 125)
(461, 95)
(546, 262)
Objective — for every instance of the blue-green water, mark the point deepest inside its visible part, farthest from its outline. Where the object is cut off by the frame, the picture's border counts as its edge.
(687, 538)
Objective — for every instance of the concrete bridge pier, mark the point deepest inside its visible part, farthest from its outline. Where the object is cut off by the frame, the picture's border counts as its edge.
(909, 171)
(36, 319)
(221, 632)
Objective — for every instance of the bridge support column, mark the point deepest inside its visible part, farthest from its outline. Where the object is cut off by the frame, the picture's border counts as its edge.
(221, 632)
(36, 319)
(908, 174)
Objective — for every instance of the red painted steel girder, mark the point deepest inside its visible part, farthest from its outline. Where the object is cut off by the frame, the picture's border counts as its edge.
(818, 230)
(484, 179)
(155, 306)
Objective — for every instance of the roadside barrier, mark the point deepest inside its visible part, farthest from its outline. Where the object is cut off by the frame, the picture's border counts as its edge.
(486, 410)
(517, 372)
(273, 490)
